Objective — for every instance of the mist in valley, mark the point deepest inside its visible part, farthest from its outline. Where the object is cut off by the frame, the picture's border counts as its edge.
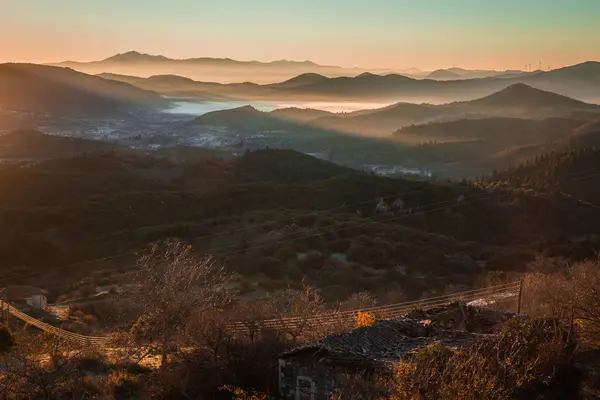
(286, 200)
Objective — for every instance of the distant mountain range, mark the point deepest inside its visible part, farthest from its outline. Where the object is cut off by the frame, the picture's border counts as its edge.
(226, 70)
(580, 81)
(38, 89)
(223, 70)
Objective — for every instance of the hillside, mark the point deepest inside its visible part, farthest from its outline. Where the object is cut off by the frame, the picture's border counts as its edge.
(27, 144)
(273, 205)
(508, 131)
(37, 89)
(554, 172)
(584, 136)
(301, 80)
(299, 114)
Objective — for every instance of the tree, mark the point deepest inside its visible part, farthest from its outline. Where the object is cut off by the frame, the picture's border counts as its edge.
(173, 285)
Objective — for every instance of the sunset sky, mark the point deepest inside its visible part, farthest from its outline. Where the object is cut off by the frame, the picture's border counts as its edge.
(427, 34)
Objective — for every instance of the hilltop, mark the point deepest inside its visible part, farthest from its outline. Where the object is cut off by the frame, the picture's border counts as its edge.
(444, 74)
(522, 95)
(37, 89)
(301, 80)
(246, 118)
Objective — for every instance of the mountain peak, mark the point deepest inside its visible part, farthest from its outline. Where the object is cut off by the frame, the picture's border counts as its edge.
(367, 75)
(520, 94)
(135, 56)
(308, 78)
(444, 74)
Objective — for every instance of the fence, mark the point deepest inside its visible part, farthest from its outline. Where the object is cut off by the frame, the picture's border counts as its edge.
(99, 341)
(483, 297)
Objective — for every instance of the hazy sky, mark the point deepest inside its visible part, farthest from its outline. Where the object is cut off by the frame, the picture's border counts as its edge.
(369, 33)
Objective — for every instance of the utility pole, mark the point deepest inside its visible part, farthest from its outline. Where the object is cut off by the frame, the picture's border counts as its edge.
(520, 296)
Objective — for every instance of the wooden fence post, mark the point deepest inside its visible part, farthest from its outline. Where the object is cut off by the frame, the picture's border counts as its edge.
(520, 296)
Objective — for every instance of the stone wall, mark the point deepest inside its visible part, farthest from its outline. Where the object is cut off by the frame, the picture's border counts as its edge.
(301, 377)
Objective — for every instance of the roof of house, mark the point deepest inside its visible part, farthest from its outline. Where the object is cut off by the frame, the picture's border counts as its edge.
(389, 340)
(17, 293)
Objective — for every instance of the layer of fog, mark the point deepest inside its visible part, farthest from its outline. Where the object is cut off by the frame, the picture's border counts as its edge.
(200, 108)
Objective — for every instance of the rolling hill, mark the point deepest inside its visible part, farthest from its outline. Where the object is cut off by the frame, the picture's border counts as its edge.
(246, 118)
(577, 81)
(36, 89)
(524, 96)
(515, 101)
(98, 205)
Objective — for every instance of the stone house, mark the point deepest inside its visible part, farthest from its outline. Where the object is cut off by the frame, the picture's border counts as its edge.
(316, 371)
(24, 297)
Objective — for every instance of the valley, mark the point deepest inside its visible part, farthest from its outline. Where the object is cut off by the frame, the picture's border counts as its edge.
(299, 201)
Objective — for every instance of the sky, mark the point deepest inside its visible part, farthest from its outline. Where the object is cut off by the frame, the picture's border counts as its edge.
(426, 34)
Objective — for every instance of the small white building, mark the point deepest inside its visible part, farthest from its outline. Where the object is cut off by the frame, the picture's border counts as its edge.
(24, 296)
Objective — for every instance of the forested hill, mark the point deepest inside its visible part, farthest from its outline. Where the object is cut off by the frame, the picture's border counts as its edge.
(281, 217)
(575, 172)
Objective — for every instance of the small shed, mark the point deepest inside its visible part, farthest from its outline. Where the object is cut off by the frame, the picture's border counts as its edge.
(24, 296)
(314, 371)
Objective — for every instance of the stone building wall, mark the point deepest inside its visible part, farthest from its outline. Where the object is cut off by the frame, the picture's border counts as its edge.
(301, 377)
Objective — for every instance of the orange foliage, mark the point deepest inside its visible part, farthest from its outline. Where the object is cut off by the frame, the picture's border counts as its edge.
(364, 319)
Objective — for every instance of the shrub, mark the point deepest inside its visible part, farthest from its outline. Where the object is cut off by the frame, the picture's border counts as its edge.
(527, 359)
(7, 339)
(364, 319)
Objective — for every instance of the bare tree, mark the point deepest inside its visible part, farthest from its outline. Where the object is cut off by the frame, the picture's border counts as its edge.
(43, 367)
(173, 284)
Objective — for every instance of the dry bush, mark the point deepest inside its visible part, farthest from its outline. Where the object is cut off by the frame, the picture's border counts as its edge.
(364, 319)
(41, 366)
(173, 284)
(569, 295)
(527, 359)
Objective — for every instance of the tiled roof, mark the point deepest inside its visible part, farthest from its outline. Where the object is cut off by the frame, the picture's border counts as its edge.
(390, 340)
